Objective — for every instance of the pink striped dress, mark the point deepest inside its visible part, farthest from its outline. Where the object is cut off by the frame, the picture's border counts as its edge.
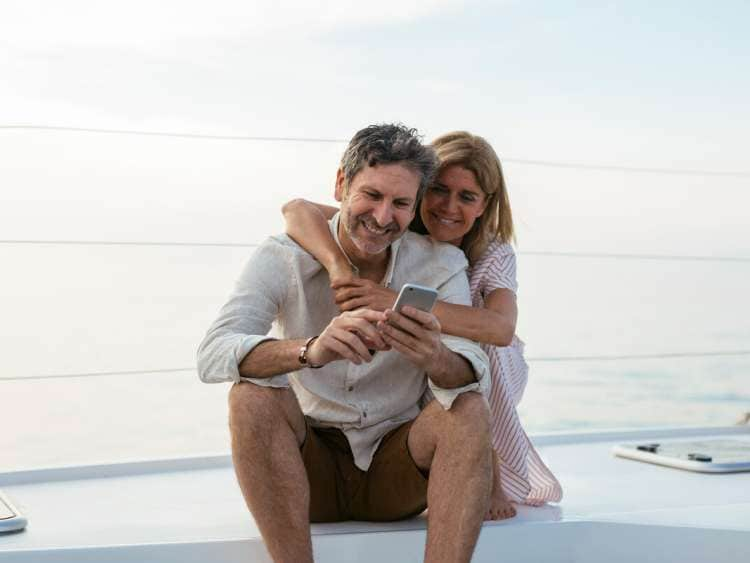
(524, 476)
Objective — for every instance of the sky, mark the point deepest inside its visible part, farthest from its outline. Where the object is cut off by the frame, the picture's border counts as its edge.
(642, 84)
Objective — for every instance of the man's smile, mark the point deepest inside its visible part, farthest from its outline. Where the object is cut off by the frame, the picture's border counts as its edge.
(372, 227)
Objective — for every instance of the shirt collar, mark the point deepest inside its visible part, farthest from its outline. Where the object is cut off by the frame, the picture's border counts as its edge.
(395, 245)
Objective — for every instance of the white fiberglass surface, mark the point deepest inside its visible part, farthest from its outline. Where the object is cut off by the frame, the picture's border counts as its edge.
(628, 508)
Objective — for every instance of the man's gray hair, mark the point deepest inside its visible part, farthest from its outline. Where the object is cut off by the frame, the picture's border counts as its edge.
(389, 143)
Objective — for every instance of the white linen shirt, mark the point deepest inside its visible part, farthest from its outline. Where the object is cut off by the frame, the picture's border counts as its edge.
(284, 288)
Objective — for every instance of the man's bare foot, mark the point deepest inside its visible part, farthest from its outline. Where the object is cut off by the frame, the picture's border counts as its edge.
(500, 507)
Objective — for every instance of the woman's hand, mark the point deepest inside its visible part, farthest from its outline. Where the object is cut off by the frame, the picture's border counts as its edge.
(358, 293)
(341, 274)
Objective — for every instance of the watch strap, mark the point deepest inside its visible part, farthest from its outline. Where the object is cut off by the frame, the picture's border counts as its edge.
(303, 354)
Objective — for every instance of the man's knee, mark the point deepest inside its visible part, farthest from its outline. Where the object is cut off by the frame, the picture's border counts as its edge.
(470, 416)
(258, 410)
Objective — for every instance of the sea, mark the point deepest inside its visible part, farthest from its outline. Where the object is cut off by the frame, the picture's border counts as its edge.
(113, 270)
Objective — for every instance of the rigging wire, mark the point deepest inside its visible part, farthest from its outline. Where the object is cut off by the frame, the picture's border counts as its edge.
(93, 374)
(661, 356)
(130, 243)
(603, 255)
(265, 138)
(532, 359)
(262, 138)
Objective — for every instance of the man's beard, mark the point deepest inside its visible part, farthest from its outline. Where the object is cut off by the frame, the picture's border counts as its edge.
(380, 237)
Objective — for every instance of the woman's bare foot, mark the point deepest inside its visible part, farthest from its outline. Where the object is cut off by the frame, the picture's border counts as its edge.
(500, 507)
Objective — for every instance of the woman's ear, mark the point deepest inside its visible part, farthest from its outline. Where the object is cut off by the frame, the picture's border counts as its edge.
(340, 191)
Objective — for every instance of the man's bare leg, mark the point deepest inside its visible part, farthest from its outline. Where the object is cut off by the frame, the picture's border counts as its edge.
(267, 429)
(455, 446)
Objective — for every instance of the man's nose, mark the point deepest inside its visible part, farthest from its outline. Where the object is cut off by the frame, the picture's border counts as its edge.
(383, 214)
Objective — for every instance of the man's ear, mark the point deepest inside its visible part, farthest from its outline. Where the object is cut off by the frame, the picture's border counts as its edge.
(340, 185)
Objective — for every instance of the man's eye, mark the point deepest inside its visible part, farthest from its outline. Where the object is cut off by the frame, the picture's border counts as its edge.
(402, 204)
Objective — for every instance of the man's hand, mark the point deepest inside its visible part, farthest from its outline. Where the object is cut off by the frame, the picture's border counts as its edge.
(349, 336)
(357, 292)
(415, 334)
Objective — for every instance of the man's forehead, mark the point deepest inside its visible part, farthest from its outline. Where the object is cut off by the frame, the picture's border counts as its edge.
(392, 176)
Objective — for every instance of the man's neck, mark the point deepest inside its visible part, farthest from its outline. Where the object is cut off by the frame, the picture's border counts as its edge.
(370, 266)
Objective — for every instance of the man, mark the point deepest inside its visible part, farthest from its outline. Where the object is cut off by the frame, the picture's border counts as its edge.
(347, 440)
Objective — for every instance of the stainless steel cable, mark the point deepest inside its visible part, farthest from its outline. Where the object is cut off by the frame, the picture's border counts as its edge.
(268, 138)
(602, 255)
(532, 359)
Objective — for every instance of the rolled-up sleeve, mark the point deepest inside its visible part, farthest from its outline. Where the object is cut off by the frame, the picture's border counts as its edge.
(456, 290)
(478, 360)
(245, 320)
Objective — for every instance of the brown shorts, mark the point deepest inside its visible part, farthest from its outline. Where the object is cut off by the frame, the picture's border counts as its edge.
(391, 489)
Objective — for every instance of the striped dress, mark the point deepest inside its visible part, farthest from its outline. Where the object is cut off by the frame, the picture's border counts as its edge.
(524, 476)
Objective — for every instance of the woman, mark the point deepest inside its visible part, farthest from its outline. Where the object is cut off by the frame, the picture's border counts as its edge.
(466, 206)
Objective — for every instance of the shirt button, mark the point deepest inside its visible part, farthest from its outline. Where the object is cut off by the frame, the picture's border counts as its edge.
(350, 388)
(364, 415)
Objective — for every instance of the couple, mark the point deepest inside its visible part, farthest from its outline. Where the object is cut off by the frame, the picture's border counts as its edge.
(359, 412)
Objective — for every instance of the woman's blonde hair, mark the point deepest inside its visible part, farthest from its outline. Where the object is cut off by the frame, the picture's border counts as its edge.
(474, 153)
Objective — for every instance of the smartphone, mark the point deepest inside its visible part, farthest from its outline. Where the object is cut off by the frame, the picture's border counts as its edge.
(417, 296)
(11, 519)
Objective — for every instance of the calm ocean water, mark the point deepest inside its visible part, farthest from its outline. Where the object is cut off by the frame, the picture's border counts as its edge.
(72, 309)
(80, 309)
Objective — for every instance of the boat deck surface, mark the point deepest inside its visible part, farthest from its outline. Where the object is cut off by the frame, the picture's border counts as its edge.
(191, 509)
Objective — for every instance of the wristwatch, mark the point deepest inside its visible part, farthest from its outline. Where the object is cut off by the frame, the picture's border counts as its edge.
(303, 354)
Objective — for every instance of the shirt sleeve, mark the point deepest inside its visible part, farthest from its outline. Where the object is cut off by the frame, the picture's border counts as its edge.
(246, 318)
(500, 270)
(456, 290)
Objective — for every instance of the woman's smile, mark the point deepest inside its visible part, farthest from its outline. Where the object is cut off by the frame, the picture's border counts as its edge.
(450, 206)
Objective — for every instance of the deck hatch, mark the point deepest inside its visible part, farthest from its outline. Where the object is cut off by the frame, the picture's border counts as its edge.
(704, 456)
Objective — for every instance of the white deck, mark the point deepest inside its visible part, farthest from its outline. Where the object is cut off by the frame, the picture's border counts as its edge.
(192, 510)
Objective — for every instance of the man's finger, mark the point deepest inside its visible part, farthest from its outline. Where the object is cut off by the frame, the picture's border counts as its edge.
(367, 314)
(404, 323)
(427, 320)
(339, 348)
(401, 336)
(396, 345)
(354, 342)
(368, 330)
(353, 304)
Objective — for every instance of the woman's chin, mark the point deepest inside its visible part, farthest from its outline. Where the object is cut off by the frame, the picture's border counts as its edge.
(441, 234)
